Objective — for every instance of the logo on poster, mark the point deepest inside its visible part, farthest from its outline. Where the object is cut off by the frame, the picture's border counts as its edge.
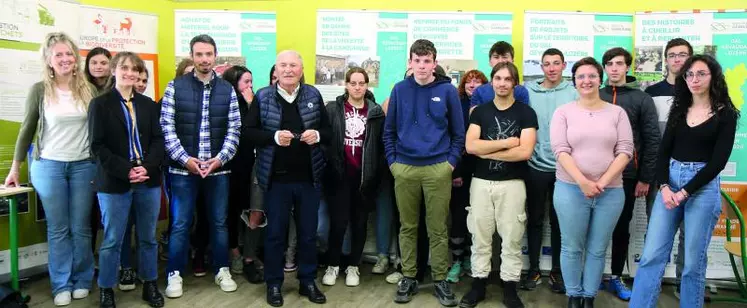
(104, 27)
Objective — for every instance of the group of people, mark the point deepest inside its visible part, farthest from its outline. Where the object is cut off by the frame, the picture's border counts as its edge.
(452, 165)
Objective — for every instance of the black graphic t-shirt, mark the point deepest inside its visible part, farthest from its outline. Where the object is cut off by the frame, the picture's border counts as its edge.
(497, 125)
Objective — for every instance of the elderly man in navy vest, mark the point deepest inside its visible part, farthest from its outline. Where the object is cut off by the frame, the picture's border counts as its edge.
(287, 121)
(201, 124)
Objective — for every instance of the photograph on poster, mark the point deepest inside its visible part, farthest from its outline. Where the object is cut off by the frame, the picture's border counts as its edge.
(455, 69)
(330, 69)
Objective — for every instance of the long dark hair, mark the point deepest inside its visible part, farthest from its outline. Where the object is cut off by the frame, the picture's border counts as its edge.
(232, 75)
(95, 52)
(718, 91)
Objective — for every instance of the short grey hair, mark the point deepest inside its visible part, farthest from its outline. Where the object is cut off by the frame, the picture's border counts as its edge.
(289, 51)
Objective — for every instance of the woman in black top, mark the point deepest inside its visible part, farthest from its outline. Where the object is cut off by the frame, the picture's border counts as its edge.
(241, 170)
(697, 142)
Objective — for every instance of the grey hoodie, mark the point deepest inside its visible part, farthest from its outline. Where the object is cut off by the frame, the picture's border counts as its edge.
(544, 102)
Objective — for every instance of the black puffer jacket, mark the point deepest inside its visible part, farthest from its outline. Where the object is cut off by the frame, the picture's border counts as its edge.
(374, 161)
(645, 124)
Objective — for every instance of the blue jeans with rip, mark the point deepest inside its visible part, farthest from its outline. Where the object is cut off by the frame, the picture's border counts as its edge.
(184, 190)
(586, 226)
(66, 191)
(700, 213)
(115, 210)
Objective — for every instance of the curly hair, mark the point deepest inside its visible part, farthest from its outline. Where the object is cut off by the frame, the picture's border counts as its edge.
(718, 91)
(469, 76)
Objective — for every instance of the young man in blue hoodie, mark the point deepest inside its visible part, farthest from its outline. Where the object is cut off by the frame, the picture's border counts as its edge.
(547, 94)
(423, 141)
(500, 52)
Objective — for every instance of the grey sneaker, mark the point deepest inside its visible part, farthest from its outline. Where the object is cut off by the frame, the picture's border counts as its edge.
(406, 289)
(382, 265)
(237, 265)
(442, 291)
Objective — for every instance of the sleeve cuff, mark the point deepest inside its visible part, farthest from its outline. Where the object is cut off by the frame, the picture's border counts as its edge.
(318, 137)
(183, 159)
(275, 138)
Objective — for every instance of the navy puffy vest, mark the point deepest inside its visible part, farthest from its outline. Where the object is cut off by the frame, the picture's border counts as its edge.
(309, 103)
(188, 114)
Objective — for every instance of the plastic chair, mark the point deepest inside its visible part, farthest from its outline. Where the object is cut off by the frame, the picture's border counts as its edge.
(735, 249)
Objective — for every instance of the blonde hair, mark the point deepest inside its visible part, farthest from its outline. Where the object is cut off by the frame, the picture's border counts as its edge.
(82, 90)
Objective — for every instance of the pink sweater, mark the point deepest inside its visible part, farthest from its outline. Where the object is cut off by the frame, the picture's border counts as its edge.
(592, 138)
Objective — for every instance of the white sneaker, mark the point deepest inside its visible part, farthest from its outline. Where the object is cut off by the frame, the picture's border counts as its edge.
(330, 276)
(62, 298)
(80, 293)
(352, 276)
(174, 287)
(224, 280)
(394, 278)
(382, 265)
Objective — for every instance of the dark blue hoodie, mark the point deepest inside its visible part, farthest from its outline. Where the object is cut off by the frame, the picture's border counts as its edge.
(424, 124)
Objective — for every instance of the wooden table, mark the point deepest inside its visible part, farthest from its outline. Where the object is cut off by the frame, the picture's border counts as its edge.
(11, 193)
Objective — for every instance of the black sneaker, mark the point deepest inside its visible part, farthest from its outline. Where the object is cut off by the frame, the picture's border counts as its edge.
(151, 295)
(556, 282)
(475, 295)
(531, 280)
(406, 289)
(106, 297)
(251, 273)
(442, 291)
(127, 278)
(510, 297)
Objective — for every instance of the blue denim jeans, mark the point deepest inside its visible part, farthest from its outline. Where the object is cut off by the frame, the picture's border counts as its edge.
(280, 198)
(184, 189)
(125, 257)
(700, 213)
(322, 229)
(115, 210)
(586, 226)
(66, 191)
(384, 213)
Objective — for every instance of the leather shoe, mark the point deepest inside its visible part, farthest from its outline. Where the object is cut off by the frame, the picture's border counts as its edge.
(274, 296)
(311, 291)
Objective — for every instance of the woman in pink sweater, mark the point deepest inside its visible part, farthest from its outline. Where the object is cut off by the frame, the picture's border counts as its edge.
(593, 142)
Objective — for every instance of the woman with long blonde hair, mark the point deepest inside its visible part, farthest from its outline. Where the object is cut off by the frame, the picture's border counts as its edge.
(61, 169)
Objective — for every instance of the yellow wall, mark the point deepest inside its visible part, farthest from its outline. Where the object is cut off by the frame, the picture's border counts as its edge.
(296, 19)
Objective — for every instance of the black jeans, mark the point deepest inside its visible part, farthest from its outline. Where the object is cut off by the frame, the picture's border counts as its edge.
(621, 235)
(347, 207)
(459, 236)
(540, 187)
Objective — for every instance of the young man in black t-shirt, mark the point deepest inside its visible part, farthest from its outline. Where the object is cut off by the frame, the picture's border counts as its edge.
(502, 134)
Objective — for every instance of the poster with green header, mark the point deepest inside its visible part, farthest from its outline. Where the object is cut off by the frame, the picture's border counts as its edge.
(242, 38)
(577, 35)
(379, 42)
(724, 36)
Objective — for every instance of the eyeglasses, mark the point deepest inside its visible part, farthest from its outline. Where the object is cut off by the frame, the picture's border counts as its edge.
(590, 77)
(681, 55)
(700, 74)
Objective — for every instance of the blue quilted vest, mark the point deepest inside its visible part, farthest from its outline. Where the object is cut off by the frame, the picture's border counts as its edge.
(188, 114)
(309, 103)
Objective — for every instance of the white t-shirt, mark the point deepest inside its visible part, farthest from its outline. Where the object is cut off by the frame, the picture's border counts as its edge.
(65, 136)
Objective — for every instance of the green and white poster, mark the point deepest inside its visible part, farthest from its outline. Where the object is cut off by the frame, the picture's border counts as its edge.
(379, 42)
(242, 38)
(577, 35)
(720, 34)
(724, 36)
